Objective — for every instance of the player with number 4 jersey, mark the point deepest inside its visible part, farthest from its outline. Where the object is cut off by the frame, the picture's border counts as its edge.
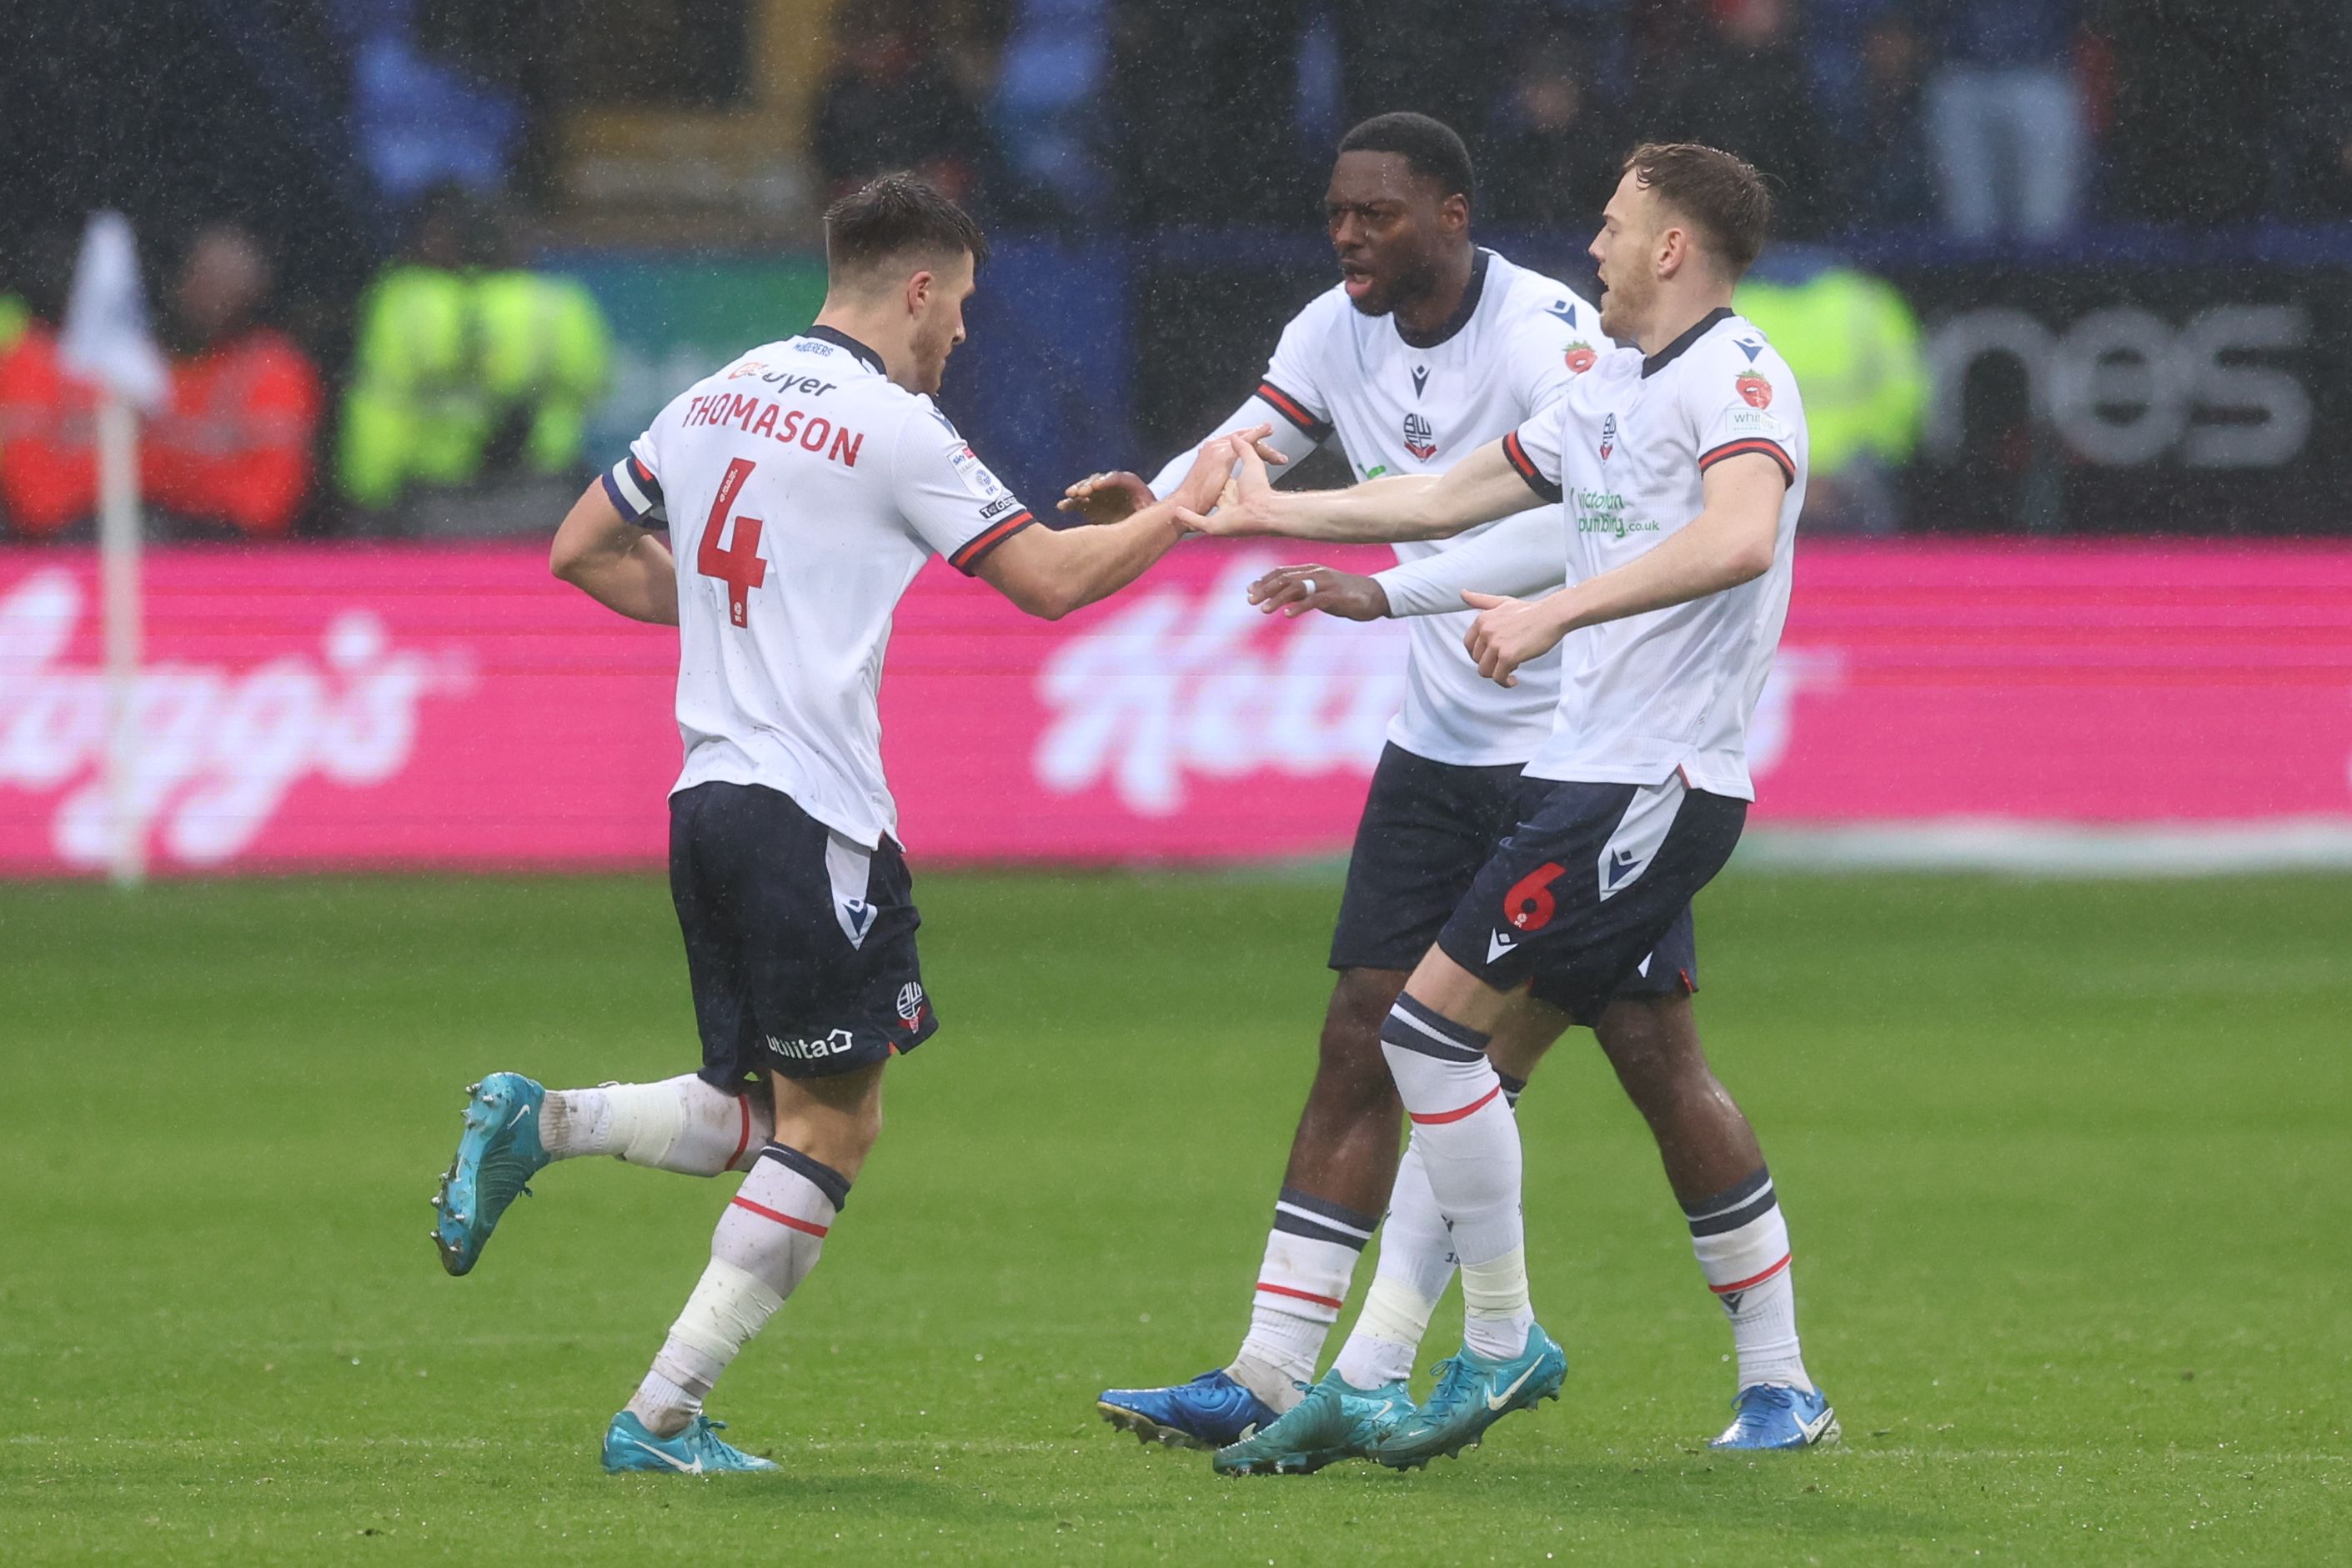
(803, 487)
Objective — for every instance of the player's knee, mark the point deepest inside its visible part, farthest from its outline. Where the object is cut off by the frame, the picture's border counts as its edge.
(1351, 1063)
(1652, 1042)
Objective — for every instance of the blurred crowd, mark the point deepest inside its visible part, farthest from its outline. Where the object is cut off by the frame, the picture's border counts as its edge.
(1985, 119)
(449, 392)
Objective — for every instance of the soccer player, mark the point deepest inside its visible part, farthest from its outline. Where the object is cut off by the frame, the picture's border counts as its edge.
(1681, 465)
(1428, 348)
(804, 485)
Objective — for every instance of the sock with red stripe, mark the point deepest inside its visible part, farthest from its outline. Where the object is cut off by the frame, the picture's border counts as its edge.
(1469, 1145)
(1743, 1250)
(679, 1124)
(766, 1243)
(1310, 1256)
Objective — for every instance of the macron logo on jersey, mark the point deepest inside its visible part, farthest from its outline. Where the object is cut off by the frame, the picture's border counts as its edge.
(1420, 378)
(1563, 309)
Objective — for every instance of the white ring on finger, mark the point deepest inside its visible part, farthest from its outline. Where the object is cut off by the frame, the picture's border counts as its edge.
(1307, 586)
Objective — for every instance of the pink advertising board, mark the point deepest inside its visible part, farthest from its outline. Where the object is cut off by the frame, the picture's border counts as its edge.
(343, 705)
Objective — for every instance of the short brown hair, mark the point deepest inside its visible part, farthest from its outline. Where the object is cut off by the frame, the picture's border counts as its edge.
(1721, 194)
(895, 215)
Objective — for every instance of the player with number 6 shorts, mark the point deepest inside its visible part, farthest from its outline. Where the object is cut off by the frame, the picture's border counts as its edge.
(1678, 469)
(1428, 350)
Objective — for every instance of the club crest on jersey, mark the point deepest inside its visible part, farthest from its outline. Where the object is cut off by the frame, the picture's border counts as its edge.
(1608, 436)
(1420, 378)
(1420, 437)
(1580, 355)
(1754, 390)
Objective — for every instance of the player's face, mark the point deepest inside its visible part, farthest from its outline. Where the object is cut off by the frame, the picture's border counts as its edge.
(938, 324)
(1387, 226)
(1625, 250)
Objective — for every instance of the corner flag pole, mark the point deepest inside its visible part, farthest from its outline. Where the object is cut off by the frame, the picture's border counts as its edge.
(118, 559)
(106, 345)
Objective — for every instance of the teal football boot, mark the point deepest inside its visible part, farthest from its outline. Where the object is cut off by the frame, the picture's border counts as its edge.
(1336, 1421)
(499, 1152)
(1473, 1393)
(697, 1451)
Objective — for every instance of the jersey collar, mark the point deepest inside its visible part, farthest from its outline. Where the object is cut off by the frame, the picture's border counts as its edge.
(1461, 312)
(1674, 351)
(839, 339)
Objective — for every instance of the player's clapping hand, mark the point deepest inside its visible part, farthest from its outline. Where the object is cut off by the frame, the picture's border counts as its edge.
(1510, 631)
(1243, 505)
(1295, 590)
(1106, 497)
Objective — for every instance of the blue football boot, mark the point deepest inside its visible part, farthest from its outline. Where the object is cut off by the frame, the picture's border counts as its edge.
(499, 1152)
(1773, 1415)
(1473, 1393)
(1209, 1412)
(1336, 1421)
(697, 1451)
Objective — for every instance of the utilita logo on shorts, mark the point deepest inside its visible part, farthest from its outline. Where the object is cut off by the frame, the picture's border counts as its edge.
(219, 748)
(1175, 688)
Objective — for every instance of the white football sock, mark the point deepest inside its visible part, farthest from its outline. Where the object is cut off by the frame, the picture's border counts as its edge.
(1416, 1262)
(679, 1124)
(1310, 1256)
(1742, 1243)
(769, 1238)
(1469, 1144)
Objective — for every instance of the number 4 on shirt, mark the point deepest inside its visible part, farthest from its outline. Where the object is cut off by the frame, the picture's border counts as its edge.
(738, 564)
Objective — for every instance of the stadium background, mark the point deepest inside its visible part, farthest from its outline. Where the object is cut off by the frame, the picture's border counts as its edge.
(2066, 1152)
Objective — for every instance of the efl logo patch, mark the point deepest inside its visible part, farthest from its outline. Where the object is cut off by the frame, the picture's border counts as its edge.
(1754, 390)
(1420, 437)
(1580, 357)
(974, 472)
(1608, 436)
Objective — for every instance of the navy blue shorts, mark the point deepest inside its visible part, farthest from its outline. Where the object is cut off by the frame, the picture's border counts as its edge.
(1428, 829)
(1584, 894)
(800, 944)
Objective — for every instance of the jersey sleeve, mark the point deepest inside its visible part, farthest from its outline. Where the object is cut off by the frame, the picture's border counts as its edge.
(1286, 438)
(634, 485)
(1533, 449)
(1551, 347)
(947, 495)
(1288, 397)
(1729, 403)
(1292, 386)
(1519, 557)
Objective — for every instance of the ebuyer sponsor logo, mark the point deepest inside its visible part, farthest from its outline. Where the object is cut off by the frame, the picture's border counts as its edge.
(219, 746)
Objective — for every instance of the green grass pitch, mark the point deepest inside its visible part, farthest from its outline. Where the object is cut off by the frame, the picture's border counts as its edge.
(2069, 1167)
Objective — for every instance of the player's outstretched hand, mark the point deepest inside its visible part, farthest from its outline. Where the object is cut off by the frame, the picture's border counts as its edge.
(1106, 497)
(1243, 505)
(1508, 633)
(1295, 590)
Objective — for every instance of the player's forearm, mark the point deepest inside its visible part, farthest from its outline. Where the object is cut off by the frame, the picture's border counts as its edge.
(1285, 437)
(1097, 562)
(1717, 551)
(1521, 556)
(1377, 512)
(632, 577)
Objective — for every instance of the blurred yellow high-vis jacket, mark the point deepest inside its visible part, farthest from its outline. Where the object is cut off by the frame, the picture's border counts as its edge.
(1854, 344)
(446, 361)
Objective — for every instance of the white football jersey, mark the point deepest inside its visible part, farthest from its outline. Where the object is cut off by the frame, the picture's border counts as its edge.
(803, 491)
(1626, 450)
(1519, 338)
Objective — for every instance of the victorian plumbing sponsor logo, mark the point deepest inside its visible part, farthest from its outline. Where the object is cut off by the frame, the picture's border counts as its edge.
(220, 746)
(1181, 686)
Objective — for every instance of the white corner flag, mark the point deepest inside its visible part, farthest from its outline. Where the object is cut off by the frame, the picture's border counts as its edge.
(106, 343)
